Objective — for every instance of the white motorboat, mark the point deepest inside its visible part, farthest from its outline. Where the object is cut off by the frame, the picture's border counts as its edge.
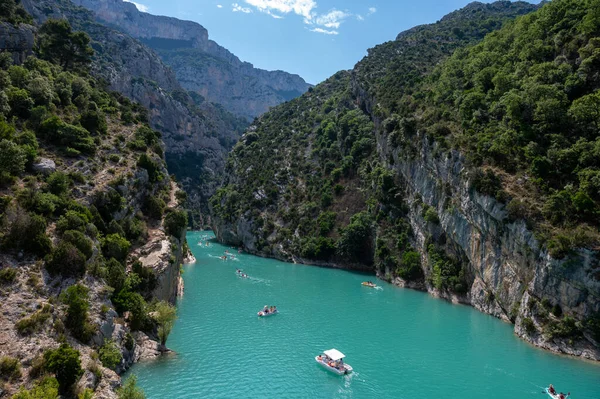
(266, 312)
(557, 395)
(333, 360)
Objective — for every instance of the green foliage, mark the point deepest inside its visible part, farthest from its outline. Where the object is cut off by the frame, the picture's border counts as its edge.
(410, 266)
(35, 322)
(110, 354)
(115, 274)
(58, 132)
(565, 328)
(130, 390)
(26, 231)
(116, 246)
(175, 222)
(355, 239)
(76, 299)
(133, 302)
(66, 260)
(12, 11)
(7, 275)
(154, 207)
(430, 215)
(64, 362)
(10, 368)
(12, 159)
(446, 273)
(47, 388)
(59, 44)
(58, 183)
(529, 326)
(165, 316)
(80, 241)
(146, 162)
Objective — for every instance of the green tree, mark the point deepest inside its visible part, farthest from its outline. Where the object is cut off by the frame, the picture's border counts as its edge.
(110, 354)
(130, 390)
(47, 388)
(76, 299)
(12, 158)
(59, 44)
(165, 316)
(64, 362)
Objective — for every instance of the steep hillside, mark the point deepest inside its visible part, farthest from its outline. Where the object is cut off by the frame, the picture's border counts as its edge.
(472, 178)
(92, 235)
(200, 64)
(198, 135)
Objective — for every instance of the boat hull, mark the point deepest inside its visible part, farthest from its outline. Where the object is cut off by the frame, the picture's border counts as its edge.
(554, 396)
(263, 314)
(347, 368)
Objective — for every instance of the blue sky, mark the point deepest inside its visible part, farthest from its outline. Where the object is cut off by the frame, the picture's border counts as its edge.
(313, 38)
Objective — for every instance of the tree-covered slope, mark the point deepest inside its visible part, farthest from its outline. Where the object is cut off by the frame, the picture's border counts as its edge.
(447, 161)
(198, 134)
(86, 208)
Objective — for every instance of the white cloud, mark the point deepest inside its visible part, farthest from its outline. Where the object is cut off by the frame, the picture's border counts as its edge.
(372, 10)
(139, 6)
(219, 6)
(360, 17)
(303, 8)
(238, 8)
(333, 19)
(324, 31)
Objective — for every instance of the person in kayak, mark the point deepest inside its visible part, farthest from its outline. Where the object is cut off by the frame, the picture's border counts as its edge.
(552, 390)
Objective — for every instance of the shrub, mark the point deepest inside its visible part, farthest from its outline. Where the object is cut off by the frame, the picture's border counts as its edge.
(145, 162)
(94, 122)
(12, 158)
(47, 388)
(431, 215)
(20, 102)
(7, 275)
(80, 241)
(58, 183)
(110, 354)
(10, 368)
(355, 239)
(115, 274)
(76, 299)
(130, 390)
(529, 326)
(66, 260)
(60, 133)
(410, 266)
(27, 232)
(115, 246)
(175, 222)
(64, 362)
(154, 207)
(72, 220)
(565, 328)
(35, 322)
(134, 303)
(165, 316)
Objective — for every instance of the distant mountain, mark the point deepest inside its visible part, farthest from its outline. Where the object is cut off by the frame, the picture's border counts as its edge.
(200, 64)
(198, 134)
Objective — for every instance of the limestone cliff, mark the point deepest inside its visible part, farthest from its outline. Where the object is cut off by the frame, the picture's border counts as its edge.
(353, 173)
(200, 64)
(197, 136)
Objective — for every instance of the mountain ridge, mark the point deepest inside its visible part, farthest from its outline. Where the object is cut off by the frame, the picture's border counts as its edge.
(189, 41)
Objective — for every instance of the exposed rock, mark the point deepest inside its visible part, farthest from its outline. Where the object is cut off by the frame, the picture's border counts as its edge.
(45, 166)
(17, 40)
(201, 65)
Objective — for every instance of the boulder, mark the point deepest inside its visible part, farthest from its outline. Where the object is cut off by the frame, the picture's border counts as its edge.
(45, 166)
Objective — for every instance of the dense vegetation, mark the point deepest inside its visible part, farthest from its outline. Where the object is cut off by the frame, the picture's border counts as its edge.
(308, 174)
(77, 166)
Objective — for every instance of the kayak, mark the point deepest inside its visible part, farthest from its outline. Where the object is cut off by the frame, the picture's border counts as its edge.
(367, 284)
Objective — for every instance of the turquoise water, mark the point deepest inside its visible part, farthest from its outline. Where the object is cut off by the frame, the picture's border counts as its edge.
(401, 343)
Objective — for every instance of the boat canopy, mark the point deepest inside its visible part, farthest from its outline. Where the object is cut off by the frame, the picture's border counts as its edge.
(334, 354)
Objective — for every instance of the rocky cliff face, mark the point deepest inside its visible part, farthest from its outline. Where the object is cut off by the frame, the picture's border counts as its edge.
(16, 40)
(200, 64)
(356, 183)
(197, 137)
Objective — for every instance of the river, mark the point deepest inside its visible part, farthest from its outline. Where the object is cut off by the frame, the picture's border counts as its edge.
(401, 343)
